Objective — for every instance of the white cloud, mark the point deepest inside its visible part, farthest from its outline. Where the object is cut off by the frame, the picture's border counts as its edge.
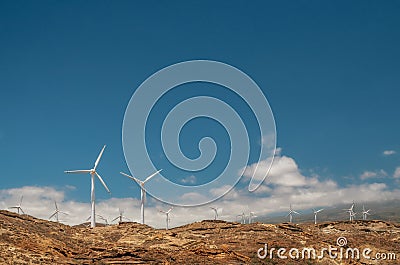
(286, 184)
(373, 174)
(284, 171)
(389, 152)
(189, 180)
(396, 174)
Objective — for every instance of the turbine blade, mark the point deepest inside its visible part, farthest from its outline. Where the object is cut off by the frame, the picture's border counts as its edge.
(295, 212)
(133, 178)
(170, 209)
(55, 203)
(102, 182)
(151, 176)
(20, 202)
(98, 158)
(22, 210)
(63, 212)
(84, 171)
(116, 218)
(51, 216)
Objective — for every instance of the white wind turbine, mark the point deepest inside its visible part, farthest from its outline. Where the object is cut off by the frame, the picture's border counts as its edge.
(142, 190)
(19, 206)
(92, 173)
(243, 216)
(365, 213)
(120, 217)
(251, 217)
(315, 214)
(56, 213)
(351, 212)
(167, 215)
(290, 214)
(215, 212)
(100, 217)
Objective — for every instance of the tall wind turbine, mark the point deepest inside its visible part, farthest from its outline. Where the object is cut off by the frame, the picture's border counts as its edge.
(142, 190)
(315, 214)
(290, 214)
(19, 206)
(92, 173)
(120, 217)
(251, 217)
(215, 212)
(167, 215)
(56, 212)
(365, 213)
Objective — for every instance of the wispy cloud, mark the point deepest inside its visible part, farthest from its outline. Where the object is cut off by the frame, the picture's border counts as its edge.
(396, 174)
(389, 152)
(373, 174)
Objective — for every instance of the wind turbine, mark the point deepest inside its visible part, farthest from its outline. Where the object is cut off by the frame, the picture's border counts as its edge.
(92, 173)
(290, 214)
(251, 216)
(243, 216)
(57, 211)
(352, 215)
(351, 212)
(120, 217)
(365, 213)
(142, 190)
(167, 215)
(100, 217)
(19, 206)
(215, 212)
(315, 214)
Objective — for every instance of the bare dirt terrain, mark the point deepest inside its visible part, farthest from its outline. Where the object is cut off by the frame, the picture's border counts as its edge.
(28, 240)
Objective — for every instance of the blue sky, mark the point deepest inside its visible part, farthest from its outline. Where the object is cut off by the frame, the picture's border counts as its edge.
(330, 70)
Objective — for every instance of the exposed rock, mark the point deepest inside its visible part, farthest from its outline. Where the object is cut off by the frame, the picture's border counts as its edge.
(28, 240)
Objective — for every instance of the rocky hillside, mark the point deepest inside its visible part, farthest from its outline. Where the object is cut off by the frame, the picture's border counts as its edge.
(28, 240)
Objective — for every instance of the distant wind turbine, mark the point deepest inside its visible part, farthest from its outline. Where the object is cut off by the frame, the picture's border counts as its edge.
(19, 206)
(365, 213)
(167, 215)
(351, 212)
(290, 214)
(100, 217)
(215, 212)
(56, 212)
(92, 173)
(120, 217)
(251, 217)
(315, 214)
(243, 216)
(142, 190)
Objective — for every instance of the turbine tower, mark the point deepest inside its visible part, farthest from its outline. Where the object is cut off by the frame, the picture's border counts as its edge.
(142, 190)
(315, 214)
(120, 217)
(290, 214)
(92, 173)
(365, 213)
(19, 206)
(167, 215)
(215, 212)
(251, 217)
(56, 213)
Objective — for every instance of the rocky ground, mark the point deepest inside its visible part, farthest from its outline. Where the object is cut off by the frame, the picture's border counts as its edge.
(28, 240)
